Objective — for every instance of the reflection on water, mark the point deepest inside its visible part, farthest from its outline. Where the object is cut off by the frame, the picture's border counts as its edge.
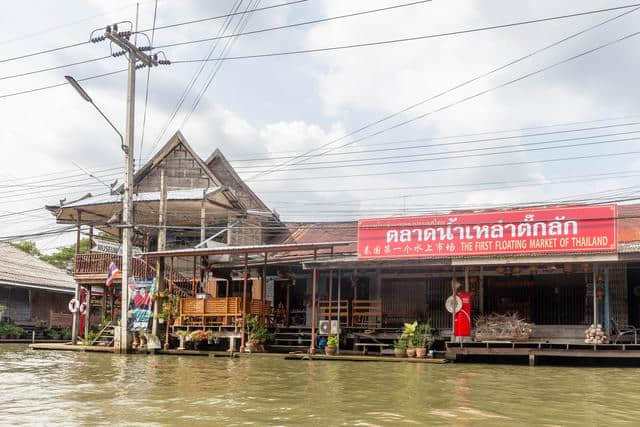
(43, 387)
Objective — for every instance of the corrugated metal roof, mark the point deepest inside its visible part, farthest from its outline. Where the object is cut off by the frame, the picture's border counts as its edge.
(193, 194)
(22, 269)
(321, 232)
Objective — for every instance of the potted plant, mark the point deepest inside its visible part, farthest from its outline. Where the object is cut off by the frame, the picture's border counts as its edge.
(400, 348)
(408, 335)
(210, 337)
(423, 339)
(332, 345)
(197, 337)
(258, 335)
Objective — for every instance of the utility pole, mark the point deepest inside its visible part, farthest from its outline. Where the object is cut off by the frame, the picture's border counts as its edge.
(135, 55)
(162, 241)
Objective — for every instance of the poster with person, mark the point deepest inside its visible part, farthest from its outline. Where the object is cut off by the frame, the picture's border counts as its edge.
(140, 312)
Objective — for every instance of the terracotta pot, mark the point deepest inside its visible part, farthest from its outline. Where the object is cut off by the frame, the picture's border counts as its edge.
(400, 352)
(330, 350)
(411, 352)
(421, 353)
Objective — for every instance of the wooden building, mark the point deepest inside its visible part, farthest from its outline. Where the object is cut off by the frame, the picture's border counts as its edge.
(32, 290)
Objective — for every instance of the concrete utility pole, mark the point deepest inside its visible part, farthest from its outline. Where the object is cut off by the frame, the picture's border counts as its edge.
(162, 241)
(135, 54)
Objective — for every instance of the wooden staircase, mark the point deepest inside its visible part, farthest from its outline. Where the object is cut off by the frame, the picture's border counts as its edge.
(105, 336)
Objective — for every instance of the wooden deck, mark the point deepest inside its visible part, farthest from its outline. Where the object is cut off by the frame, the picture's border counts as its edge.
(354, 358)
(542, 352)
(70, 347)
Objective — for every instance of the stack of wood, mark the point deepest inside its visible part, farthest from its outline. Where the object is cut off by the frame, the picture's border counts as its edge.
(502, 327)
(595, 335)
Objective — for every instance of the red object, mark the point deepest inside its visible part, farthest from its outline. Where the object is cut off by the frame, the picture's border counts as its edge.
(540, 230)
(462, 324)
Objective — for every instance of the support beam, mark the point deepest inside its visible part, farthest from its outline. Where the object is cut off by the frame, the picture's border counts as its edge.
(87, 314)
(314, 284)
(76, 317)
(244, 301)
(339, 306)
(162, 242)
(331, 299)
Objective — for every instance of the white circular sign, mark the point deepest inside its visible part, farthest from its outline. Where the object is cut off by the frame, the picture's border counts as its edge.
(449, 304)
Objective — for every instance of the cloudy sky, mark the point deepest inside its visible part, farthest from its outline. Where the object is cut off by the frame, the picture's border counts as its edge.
(263, 111)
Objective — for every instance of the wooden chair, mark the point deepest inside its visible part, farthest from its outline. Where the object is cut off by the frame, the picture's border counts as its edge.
(341, 306)
(366, 313)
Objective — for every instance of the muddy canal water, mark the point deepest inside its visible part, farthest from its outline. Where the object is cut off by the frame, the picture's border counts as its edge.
(68, 388)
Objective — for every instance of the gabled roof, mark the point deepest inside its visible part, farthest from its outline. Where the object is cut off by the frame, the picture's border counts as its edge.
(218, 156)
(20, 269)
(173, 142)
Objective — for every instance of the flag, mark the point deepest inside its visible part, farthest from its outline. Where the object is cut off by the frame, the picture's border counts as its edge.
(111, 272)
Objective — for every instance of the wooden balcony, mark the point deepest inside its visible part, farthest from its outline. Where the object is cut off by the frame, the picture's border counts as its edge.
(92, 268)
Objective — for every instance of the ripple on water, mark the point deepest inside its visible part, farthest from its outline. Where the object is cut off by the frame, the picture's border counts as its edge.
(91, 388)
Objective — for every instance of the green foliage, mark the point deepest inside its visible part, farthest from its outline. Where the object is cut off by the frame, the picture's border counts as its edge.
(409, 331)
(65, 333)
(182, 333)
(28, 247)
(198, 336)
(92, 335)
(424, 335)
(400, 344)
(54, 334)
(63, 258)
(2, 310)
(9, 330)
(255, 331)
(332, 341)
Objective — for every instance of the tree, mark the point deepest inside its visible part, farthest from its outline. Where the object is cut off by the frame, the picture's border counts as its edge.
(27, 246)
(63, 258)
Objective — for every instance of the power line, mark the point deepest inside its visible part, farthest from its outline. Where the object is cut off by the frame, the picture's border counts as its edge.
(478, 94)
(297, 24)
(560, 159)
(8, 95)
(241, 25)
(460, 85)
(405, 39)
(58, 67)
(234, 8)
(228, 15)
(415, 159)
(146, 90)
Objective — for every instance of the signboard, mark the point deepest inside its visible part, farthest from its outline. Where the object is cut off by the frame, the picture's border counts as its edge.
(140, 312)
(107, 247)
(524, 231)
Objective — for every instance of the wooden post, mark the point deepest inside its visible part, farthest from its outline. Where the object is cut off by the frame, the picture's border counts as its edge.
(87, 314)
(168, 319)
(314, 284)
(162, 243)
(203, 236)
(244, 300)
(595, 298)
(194, 287)
(75, 318)
(481, 290)
(264, 278)
(90, 237)
(607, 310)
(339, 306)
(288, 309)
(330, 299)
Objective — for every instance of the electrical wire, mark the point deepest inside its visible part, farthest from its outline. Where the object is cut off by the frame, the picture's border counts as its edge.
(146, 90)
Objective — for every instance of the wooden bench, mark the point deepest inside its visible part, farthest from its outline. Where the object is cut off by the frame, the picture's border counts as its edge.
(342, 306)
(366, 313)
(209, 311)
(263, 310)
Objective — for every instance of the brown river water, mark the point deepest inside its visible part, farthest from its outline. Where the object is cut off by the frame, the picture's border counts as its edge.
(69, 388)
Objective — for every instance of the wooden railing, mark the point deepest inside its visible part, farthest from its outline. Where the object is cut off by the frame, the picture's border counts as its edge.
(98, 264)
(209, 311)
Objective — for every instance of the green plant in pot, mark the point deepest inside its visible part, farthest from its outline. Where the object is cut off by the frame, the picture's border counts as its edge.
(258, 335)
(408, 335)
(210, 337)
(423, 339)
(400, 348)
(332, 345)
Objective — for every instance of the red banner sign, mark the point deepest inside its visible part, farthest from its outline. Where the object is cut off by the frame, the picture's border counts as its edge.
(524, 231)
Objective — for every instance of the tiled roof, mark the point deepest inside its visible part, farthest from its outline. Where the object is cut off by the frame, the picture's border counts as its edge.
(321, 232)
(21, 269)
